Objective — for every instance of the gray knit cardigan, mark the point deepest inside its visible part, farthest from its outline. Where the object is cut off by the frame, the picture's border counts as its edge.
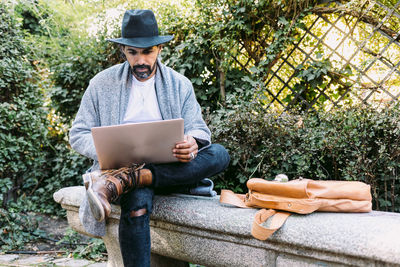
(105, 102)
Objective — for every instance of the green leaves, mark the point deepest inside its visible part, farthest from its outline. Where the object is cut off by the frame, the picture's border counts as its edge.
(23, 130)
(35, 160)
(16, 227)
(282, 21)
(358, 143)
(93, 250)
(73, 67)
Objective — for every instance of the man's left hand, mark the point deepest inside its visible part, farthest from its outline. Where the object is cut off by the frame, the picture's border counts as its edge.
(186, 150)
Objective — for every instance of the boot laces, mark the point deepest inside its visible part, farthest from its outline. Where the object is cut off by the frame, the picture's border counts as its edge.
(128, 177)
(112, 188)
(134, 173)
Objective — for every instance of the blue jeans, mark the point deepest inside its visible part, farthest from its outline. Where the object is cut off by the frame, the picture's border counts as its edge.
(134, 231)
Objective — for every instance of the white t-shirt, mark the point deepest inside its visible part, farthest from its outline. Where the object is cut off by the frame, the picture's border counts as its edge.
(143, 103)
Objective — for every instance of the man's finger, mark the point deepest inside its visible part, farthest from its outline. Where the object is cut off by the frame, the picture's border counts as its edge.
(183, 151)
(183, 145)
(187, 156)
(182, 158)
(186, 146)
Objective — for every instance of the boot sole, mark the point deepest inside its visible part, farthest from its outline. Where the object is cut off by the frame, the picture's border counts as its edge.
(94, 203)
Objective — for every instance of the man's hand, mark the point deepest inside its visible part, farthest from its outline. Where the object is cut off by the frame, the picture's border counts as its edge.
(187, 150)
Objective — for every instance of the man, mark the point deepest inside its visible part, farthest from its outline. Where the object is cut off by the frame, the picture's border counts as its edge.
(140, 89)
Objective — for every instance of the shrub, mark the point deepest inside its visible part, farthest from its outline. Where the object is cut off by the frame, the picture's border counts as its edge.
(35, 159)
(358, 143)
(17, 227)
(23, 134)
(73, 66)
(24, 126)
(66, 169)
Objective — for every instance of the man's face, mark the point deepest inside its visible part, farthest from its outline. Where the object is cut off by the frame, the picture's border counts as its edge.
(142, 61)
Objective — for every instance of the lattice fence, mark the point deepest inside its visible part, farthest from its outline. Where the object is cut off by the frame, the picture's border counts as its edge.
(356, 52)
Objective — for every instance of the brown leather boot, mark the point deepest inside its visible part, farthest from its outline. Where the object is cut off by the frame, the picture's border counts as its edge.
(104, 187)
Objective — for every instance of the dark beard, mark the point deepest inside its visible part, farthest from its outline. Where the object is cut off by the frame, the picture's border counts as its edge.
(144, 74)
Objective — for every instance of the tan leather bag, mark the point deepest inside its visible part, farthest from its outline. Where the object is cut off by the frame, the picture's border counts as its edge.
(301, 196)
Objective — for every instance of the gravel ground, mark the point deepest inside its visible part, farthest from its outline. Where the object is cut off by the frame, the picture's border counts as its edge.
(46, 251)
(22, 260)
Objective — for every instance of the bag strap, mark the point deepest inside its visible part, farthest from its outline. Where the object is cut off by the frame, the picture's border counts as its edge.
(258, 231)
(228, 197)
(261, 232)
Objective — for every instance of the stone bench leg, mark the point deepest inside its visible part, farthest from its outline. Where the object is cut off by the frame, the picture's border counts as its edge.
(114, 253)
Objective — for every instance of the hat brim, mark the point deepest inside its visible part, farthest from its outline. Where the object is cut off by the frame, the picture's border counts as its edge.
(142, 42)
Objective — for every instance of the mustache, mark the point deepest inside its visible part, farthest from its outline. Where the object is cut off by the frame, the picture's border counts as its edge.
(141, 66)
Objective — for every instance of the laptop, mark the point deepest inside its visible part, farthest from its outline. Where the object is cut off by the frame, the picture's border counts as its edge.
(119, 146)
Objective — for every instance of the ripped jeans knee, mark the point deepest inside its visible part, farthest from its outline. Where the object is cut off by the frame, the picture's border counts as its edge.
(136, 207)
(138, 213)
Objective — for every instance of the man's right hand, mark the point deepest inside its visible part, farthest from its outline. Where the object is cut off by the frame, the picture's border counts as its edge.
(186, 150)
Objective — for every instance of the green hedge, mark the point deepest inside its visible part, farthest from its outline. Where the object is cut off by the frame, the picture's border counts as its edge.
(23, 127)
(73, 65)
(35, 159)
(355, 144)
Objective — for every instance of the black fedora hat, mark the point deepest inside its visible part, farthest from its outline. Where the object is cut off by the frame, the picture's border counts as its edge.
(139, 29)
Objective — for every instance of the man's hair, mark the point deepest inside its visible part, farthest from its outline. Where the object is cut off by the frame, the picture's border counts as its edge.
(122, 54)
(121, 50)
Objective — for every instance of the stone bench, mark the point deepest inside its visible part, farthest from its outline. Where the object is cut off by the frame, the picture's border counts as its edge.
(201, 230)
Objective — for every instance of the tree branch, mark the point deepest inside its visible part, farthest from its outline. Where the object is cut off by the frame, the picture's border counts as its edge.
(357, 14)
